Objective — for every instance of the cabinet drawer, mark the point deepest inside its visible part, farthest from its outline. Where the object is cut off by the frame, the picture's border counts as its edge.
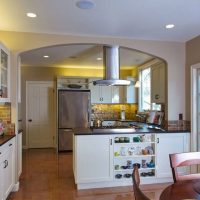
(6, 146)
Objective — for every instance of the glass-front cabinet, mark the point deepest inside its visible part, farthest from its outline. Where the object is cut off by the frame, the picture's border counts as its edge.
(4, 74)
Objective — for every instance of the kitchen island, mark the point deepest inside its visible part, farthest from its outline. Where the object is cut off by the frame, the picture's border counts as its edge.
(105, 158)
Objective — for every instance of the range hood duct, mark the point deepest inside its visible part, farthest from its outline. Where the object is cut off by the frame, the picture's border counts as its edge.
(111, 68)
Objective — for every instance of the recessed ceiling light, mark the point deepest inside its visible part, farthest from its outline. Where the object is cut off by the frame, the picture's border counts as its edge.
(168, 26)
(99, 58)
(46, 56)
(85, 4)
(32, 15)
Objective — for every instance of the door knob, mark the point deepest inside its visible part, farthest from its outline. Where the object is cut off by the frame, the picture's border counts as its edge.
(30, 120)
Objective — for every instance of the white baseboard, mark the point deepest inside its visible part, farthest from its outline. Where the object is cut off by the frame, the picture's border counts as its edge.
(15, 187)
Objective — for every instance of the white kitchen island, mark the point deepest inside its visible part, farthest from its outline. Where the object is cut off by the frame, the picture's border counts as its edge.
(104, 159)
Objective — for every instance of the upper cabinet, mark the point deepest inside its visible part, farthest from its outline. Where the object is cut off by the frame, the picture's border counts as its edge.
(112, 94)
(4, 74)
(100, 94)
(131, 92)
(158, 83)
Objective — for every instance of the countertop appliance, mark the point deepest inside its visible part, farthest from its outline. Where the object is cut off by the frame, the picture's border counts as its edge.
(73, 112)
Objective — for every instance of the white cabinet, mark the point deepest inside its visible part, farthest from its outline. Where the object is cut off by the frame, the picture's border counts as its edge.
(7, 170)
(134, 149)
(118, 94)
(100, 94)
(169, 143)
(112, 94)
(93, 158)
(158, 83)
(4, 74)
(19, 154)
(131, 92)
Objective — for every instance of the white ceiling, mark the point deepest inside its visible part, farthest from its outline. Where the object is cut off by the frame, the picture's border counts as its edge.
(76, 56)
(138, 19)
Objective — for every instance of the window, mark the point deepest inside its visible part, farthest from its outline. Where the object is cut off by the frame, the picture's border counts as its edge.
(145, 89)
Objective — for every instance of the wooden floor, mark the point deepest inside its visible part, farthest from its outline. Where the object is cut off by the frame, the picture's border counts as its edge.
(48, 176)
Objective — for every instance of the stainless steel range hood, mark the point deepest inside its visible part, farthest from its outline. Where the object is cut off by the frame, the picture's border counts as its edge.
(111, 68)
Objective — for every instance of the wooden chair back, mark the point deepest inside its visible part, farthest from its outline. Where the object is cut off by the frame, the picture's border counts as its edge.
(184, 159)
(139, 195)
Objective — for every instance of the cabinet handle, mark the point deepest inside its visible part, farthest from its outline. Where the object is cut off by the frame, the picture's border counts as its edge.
(5, 162)
(10, 145)
(110, 141)
(158, 141)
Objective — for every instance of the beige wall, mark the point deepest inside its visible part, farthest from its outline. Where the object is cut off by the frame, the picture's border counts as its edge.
(192, 57)
(172, 52)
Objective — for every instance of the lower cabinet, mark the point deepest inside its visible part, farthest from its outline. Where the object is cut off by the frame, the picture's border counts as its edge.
(7, 168)
(168, 144)
(19, 154)
(93, 158)
(108, 160)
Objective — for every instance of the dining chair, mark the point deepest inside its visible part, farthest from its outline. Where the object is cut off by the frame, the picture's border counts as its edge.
(181, 160)
(139, 195)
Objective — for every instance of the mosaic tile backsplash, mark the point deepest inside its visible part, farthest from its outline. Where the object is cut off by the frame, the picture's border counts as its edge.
(113, 111)
(5, 117)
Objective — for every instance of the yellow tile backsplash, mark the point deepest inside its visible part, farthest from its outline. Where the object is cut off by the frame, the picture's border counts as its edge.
(5, 117)
(113, 111)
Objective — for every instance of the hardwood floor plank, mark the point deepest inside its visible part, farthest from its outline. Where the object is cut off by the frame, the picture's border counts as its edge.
(49, 176)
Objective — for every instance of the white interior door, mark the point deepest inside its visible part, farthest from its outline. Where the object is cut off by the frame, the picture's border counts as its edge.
(40, 114)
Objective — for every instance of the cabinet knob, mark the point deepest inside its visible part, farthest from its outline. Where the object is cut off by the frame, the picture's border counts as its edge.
(10, 145)
(157, 96)
(30, 120)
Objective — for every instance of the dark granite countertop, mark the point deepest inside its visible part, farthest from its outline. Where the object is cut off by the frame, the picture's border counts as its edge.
(108, 131)
(20, 131)
(5, 138)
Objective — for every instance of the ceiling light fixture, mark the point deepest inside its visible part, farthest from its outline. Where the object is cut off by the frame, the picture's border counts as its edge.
(32, 15)
(99, 59)
(46, 56)
(85, 4)
(168, 26)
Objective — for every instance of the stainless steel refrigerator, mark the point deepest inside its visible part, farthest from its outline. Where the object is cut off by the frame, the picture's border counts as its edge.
(73, 112)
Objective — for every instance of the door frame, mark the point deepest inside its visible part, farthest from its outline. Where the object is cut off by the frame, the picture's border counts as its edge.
(194, 106)
(54, 125)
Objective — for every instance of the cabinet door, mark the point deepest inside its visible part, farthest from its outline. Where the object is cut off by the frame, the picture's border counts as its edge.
(95, 92)
(167, 144)
(106, 94)
(8, 172)
(19, 154)
(2, 165)
(158, 84)
(4, 74)
(94, 158)
(118, 94)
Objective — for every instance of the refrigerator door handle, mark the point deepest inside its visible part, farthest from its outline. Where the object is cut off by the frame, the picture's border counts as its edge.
(68, 130)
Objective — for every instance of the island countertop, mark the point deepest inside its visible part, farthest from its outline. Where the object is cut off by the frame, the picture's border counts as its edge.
(108, 131)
